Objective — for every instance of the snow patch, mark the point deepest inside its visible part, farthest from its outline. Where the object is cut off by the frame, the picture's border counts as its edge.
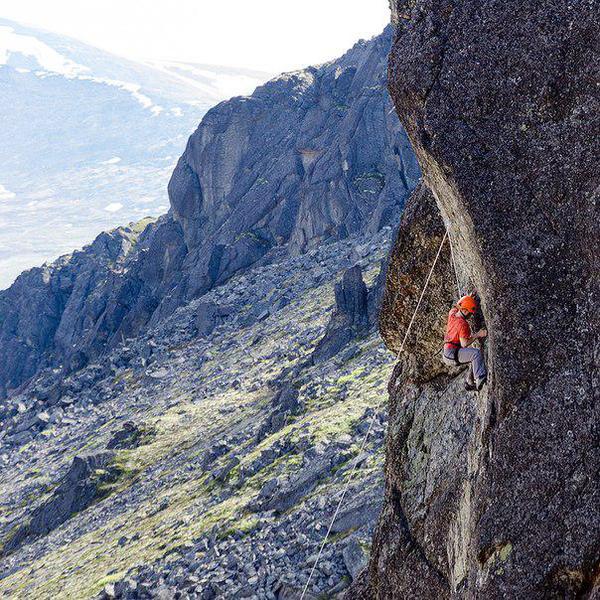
(52, 63)
(227, 85)
(48, 58)
(131, 88)
(216, 85)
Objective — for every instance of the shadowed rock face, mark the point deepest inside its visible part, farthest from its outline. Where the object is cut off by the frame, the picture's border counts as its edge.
(500, 101)
(312, 156)
(48, 308)
(419, 238)
(66, 312)
(78, 489)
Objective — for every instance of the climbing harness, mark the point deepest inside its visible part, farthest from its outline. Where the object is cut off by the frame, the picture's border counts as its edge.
(372, 421)
(454, 356)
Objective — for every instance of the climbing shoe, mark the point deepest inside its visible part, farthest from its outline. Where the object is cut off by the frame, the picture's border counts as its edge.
(470, 387)
(481, 383)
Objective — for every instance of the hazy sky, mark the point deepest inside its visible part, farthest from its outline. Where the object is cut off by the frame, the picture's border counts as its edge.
(269, 35)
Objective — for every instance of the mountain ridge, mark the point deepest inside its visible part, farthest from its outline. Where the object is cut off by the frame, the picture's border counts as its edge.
(246, 187)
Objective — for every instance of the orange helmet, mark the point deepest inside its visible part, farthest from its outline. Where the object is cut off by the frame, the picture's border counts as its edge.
(467, 303)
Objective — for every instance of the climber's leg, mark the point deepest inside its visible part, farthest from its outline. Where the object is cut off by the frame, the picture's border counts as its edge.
(475, 357)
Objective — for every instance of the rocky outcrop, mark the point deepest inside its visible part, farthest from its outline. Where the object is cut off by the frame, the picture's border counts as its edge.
(209, 316)
(77, 490)
(285, 403)
(128, 436)
(48, 308)
(282, 495)
(496, 495)
(312, 156)
(350, 318)
(419, 237)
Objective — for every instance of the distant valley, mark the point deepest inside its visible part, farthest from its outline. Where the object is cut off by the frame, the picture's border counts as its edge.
(89, 139)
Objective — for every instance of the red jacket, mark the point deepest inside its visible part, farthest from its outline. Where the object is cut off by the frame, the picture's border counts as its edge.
(457, 328)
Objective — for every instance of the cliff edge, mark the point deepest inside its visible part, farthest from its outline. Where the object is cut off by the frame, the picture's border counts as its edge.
(496, 495)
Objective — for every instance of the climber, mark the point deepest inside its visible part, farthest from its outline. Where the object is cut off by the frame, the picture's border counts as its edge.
(458, 339)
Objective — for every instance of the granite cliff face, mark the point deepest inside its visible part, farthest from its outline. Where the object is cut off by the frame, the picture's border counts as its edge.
(312, 156)
(496, 495)
(48, 307)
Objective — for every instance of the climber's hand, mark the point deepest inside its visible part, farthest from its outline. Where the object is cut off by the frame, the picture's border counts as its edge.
(481, 333)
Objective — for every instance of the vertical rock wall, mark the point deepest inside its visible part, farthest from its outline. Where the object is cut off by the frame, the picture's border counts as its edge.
(500, 100)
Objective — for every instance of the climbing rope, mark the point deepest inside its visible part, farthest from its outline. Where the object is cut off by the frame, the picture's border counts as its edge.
(374, 416)
(412, 320)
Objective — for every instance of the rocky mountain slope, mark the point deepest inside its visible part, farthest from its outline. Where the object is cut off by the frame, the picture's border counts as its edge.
(204, 458)
(88, 138)
(184, 396)
(496, 495)
(311, 157)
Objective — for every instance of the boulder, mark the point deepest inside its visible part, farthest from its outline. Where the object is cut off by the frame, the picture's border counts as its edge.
(287, 400)
(358, 512)
(127, 437)
(355, 558)
(75, 492)
(350, 317)
(351, 297)
(222, 472)
(289, 492)
(209, 315)
(286, 403)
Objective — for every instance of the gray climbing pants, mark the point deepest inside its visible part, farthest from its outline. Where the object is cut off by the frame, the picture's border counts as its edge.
(468, 355)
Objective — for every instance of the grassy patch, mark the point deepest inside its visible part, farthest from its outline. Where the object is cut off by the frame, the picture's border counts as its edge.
(245, 525)
(110, 579)
(139, 226)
